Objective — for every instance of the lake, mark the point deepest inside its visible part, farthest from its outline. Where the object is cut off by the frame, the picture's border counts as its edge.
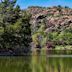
(36, 63)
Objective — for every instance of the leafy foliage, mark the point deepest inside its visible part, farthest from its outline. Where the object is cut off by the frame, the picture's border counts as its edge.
(15, 30)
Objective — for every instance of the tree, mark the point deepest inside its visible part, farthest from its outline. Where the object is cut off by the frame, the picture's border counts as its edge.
(15, 32)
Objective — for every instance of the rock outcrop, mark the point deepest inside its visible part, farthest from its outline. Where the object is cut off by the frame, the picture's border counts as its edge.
(54, 18)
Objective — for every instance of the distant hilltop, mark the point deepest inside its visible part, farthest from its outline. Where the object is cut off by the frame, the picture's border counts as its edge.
(52, 15)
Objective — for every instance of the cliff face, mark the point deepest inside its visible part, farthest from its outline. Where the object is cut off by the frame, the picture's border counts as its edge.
(51, 21)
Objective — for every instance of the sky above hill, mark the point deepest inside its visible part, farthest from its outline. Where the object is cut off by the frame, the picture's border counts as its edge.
(47, 3)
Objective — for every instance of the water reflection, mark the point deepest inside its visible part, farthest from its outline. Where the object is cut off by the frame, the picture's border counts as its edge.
(36, 62)
(59, 52)
(56, 64)
(59, 60)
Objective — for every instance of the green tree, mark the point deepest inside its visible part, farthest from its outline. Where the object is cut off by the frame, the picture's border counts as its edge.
(15, 32)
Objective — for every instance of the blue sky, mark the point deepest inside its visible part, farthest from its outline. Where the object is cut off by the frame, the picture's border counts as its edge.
(25, 3)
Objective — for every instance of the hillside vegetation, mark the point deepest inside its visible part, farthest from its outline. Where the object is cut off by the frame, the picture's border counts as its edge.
(51, 27)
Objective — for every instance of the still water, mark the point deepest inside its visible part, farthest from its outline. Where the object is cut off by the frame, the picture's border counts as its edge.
(36, 63)
(59, 61)
(59, 64)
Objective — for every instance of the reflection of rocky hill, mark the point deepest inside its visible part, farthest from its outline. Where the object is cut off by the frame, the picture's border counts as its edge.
(55, 20)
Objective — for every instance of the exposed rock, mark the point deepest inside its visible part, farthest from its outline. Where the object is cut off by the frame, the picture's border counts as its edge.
(54, 18)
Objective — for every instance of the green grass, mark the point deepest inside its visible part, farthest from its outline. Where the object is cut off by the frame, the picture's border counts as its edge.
(61, 47)
(66, 50)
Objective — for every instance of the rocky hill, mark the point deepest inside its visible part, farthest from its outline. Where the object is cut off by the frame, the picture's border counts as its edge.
(51, 26)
